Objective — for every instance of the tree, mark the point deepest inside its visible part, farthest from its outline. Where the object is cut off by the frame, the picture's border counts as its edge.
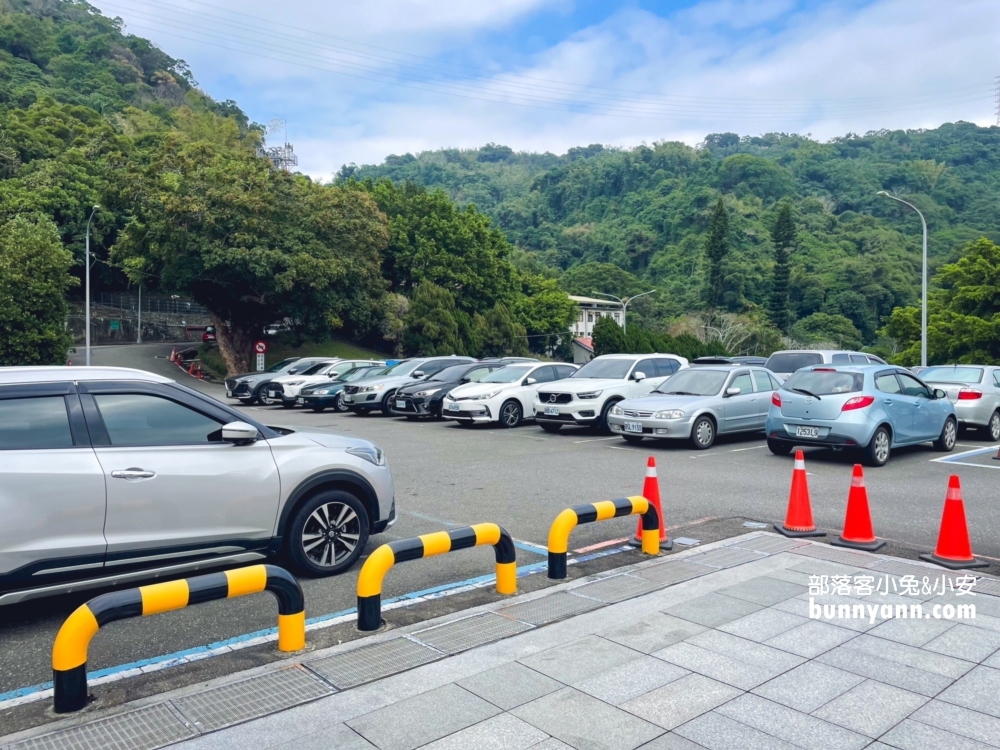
(608, 337)
(783, 235)
(251, 243)
(544, 310)
(34, 279)
(716, 250)
(432, 323)
(497, 334)
(821, 328)
(394, 321)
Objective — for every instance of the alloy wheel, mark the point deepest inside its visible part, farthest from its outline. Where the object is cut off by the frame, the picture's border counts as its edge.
(994, 426)
(882, 446)
(950, 435)
(331, 534)
(510, 415)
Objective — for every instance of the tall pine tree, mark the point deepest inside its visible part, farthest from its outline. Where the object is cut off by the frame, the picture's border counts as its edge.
(716, 250)
(783, 236)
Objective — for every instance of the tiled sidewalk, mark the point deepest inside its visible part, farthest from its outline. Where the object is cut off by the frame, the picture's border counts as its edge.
(712, 648)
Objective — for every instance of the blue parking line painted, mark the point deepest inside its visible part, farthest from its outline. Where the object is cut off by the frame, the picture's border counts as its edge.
(956, 458)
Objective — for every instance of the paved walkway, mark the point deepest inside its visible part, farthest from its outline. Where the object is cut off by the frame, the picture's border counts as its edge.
(712, 648)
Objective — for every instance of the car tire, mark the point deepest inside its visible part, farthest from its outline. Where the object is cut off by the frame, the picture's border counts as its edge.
(779, 447)
(310, 523)
(318, 409)
(510, 414)
(602, 423)
(258, 396)
(993, 427)
(632, 439)
(247, 401)
(549, 427)
(703, 433)
(387, 403)
(879, 448)
(949, 435)
(339, 405)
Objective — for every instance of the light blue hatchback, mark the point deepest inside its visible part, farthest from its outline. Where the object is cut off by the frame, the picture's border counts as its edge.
(874, 408)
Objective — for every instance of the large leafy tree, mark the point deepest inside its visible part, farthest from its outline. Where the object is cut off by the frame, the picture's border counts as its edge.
(497, 334)
(608, 337)
(434, 324)
(783, 235)
(251, 243)
(34, 279)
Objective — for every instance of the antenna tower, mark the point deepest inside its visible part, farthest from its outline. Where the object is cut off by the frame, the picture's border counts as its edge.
(282, 157)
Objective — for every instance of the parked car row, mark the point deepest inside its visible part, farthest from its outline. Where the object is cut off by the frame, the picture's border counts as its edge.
(837, 399)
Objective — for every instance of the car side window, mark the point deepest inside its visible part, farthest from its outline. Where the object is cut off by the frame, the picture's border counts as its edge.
(996, 378)
(913, 387)
(645, 366)
(742, 381)
(840, 359)
(666, 367)
(134, 419)
(763, 381)
(775, 385)
(474, 376)
(544, 374)
(34, 423)
(875, 360)
(562, 371)
(887, 383)
(859, 359)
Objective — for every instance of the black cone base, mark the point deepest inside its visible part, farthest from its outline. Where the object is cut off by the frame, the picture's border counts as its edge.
(954, 564)
(865, 546)
(796, 534)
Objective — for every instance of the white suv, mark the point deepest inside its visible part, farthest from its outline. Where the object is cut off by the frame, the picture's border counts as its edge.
(587, 396)
(110, 475)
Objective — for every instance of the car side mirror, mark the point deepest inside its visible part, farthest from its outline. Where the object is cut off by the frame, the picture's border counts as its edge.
(637, 376)
(418, 374)
(734, 391)
(334, 375)
(938, 393)
(530, 381)
(239, 433)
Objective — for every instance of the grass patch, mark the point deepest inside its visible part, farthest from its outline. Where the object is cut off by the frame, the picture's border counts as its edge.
(279, 349)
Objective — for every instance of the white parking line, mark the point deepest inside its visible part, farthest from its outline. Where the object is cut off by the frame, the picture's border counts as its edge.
(598, 440)
(623, 448)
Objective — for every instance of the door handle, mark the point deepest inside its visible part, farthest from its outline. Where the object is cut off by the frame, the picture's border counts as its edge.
(887, 402)
(132, 473)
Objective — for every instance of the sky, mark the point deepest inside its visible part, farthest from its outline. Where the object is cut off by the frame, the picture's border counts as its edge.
(358, 81)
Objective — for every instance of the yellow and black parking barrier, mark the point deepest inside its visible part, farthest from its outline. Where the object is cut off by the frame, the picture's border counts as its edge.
(569, 519)
(69, 653)
(427, 545)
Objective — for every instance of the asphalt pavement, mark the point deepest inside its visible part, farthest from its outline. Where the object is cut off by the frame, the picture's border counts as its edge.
(449, 476)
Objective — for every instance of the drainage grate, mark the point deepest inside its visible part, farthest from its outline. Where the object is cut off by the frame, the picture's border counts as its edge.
(989, 586)
(250, 699)
(770, 544)
(616, 588)
(469, 632)
(549, 608)
(674, 572)
(896, 567)
(727, 557)
(145, 729)
(373, 662)
(842, 556)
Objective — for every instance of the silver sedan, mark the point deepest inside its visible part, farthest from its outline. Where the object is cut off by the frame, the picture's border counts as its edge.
(975, 392)
(697, 404)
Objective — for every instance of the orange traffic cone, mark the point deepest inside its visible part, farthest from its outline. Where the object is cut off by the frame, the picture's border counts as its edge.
(954, 550)
(997, 456)
(799, 517)
(651, 491)
(858, 532)
(173, 354)
(191, 368)
(197, 373)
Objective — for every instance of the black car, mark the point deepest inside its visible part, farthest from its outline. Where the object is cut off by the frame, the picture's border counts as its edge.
(424, 399)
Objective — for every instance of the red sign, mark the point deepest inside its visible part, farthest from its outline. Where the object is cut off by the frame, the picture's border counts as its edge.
(260, 347)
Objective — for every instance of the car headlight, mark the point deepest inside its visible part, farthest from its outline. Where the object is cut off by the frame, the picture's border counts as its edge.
(428, 392)
(371, 388)
(323, 391)
(672, 414)
(294, 382)
(617, 410)
(369, 453)
(589, 394)
(485, 396)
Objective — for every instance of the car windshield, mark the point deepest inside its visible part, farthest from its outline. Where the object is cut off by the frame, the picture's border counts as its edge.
(694, 382)
(402, 368)
(281, 365)
(613, 369)
(450, 374)
(315, 369)
(506, 374)
(792, 361)
(824, 382)
(953, 374)
(357, 374)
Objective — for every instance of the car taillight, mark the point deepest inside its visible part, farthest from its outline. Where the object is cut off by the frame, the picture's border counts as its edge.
(969, 394)
(858, 402)
(776, 399)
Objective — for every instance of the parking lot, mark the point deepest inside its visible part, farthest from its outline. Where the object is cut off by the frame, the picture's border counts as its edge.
(520, 478)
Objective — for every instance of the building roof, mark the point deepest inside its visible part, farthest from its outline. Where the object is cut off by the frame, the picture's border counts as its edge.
(586, 342)
(592, 301)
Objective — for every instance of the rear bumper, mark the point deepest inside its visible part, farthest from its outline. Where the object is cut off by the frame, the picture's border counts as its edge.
(973, 413)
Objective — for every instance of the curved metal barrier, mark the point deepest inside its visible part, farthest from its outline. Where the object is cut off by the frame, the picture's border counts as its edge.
(427, 545)
(69, 653)
(627, 506)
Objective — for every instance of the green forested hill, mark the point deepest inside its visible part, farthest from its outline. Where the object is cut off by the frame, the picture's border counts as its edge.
(646, 210)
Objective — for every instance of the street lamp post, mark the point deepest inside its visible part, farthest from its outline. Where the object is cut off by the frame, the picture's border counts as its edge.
(923, 284)
(86, 258)
(625, 303)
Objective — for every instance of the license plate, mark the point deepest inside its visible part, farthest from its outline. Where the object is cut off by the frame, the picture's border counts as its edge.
(300, 400)
(807, 432)
(400, 404)
(633, 427)
(552, 411)
(229, 394)
(454, 407)
(274, 394)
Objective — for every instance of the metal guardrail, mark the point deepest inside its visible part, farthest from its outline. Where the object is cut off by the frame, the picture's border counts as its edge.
(69, 653)
(569, 519)
(427, 545)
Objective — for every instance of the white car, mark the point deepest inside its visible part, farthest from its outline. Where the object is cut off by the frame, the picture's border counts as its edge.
(287, 387)
(587, 397)
(503, 396)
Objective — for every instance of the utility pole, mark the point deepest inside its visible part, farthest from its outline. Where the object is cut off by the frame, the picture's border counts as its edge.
(86, 263)
(138, 338)
(923, 284)
(625, 303)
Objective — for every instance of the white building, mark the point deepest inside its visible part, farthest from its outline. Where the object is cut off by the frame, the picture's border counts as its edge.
(589, 311)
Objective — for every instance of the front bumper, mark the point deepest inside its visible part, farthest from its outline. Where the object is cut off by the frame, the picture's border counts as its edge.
(575, 412)
(652, 428)
(238, 390)
(478, 412)
(363, 400)
(418, 406)
(310, 400)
